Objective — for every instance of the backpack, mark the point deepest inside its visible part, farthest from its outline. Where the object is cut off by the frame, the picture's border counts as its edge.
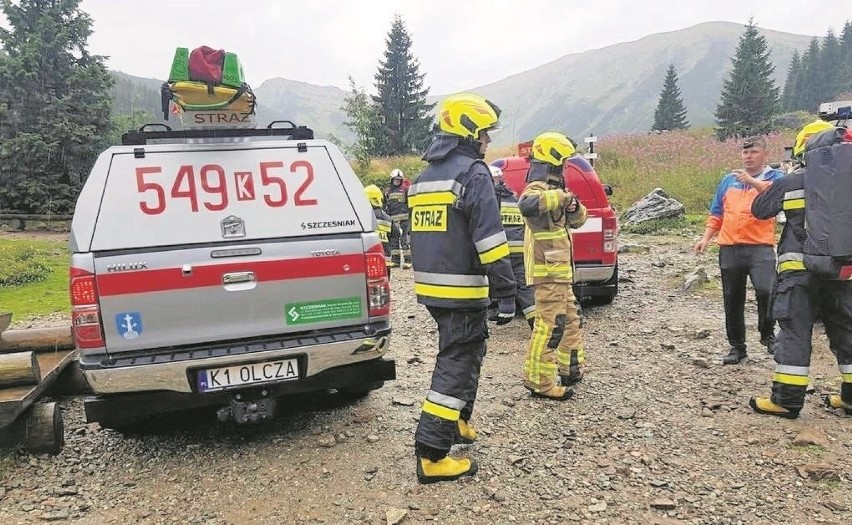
(828, 194)
(206, 79)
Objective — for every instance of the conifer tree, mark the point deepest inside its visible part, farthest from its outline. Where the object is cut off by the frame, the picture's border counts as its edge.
(791, 99)
(401, 99)
(54, 105)
(749, 95)
(670, 113)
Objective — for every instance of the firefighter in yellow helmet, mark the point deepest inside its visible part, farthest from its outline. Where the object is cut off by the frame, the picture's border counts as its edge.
(459, 251)
(799, 291)
(385, 227)
(549, 210)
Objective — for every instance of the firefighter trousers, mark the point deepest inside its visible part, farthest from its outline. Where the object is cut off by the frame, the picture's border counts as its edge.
(461, 349)
(736, 264)
(400, 244)
(796, 298)
(557, 341)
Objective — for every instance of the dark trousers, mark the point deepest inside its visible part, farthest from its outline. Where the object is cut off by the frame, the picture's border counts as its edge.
(399, 241)
(738, 263)
(455, 380)
(797, 296)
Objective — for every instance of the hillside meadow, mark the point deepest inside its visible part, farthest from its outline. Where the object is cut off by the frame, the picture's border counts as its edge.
(686, 164)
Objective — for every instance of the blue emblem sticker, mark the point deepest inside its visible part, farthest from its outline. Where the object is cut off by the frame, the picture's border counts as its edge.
(129, 324)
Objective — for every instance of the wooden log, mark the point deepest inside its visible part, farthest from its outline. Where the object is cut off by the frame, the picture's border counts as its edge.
(40, 429)
(57, 338)
(18, 369)
(44, 431)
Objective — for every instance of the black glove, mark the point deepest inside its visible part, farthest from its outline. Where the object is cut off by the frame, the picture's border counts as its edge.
(505, 309)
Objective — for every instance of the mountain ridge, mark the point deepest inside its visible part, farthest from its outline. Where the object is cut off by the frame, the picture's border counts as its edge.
(612, 89)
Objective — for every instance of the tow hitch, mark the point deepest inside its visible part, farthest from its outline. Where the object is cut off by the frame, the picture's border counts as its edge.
(244, 410)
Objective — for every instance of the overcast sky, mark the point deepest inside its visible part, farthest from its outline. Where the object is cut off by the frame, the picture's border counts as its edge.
(460, 44)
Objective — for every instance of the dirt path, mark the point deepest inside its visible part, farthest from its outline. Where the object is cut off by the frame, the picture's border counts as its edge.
(658, 421)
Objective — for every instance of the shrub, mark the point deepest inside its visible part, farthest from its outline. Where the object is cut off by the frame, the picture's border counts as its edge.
(22, 265)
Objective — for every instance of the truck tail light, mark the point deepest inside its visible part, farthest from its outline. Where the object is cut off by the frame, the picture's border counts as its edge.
(86, 323)
(378, 285)
(610, 231)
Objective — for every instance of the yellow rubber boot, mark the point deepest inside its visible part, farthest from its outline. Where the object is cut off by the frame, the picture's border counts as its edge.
(467, 434)
(835, 401)
(557, 393)
(445, 469)
(764, 405)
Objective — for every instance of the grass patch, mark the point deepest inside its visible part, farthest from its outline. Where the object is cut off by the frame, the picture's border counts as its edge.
(20, 265)
(813, 450)
(38, 279)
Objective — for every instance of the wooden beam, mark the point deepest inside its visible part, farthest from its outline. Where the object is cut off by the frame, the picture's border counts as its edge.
(36, 339)
(20, 368)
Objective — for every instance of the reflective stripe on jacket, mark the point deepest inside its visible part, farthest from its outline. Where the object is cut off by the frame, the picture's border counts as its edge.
(459, 247)
(547, 242)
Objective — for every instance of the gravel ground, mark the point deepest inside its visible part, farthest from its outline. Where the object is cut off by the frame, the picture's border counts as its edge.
(658, 433)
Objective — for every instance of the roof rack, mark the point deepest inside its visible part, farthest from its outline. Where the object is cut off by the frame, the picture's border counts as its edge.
(143, 134)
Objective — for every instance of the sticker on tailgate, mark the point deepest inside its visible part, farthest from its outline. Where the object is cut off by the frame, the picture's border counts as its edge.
(323, 310)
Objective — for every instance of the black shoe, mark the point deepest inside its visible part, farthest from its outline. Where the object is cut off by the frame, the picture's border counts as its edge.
(734, 356)
(769, 342)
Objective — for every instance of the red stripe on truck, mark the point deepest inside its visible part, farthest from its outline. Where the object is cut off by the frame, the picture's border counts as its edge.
(163, 279)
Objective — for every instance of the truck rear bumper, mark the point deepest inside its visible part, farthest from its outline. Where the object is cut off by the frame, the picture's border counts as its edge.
(176, 370)
(115, 410)
(592, 275)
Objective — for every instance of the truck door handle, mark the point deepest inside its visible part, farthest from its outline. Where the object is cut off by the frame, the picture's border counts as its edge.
(238, 277)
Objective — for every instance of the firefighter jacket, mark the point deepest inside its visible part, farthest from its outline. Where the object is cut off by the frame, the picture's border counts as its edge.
(384, 226)
(787, 194)
(396, 201)
(510, 216)
(458, 246)
(547, 241)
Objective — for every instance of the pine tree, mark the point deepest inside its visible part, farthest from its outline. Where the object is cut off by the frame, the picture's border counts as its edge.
(404, 113)
(670, 113)
(792, 98)
(829, 68)
(54, 105)
(809, 89)
(749, 96)
(846, 58)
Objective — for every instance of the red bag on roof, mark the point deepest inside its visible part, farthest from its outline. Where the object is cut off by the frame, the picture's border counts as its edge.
(205, 64)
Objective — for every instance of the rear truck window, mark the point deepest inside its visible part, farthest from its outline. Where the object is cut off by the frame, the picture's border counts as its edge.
(170, 197)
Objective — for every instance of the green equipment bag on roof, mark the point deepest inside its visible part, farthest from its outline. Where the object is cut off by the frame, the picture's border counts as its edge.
(206, 79)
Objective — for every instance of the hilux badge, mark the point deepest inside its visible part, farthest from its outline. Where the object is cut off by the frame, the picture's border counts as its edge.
(233, 227)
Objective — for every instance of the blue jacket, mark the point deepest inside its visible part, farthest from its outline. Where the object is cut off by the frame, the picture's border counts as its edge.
(458, 246)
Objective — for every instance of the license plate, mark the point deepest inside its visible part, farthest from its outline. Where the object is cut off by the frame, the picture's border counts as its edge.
(250, 374)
